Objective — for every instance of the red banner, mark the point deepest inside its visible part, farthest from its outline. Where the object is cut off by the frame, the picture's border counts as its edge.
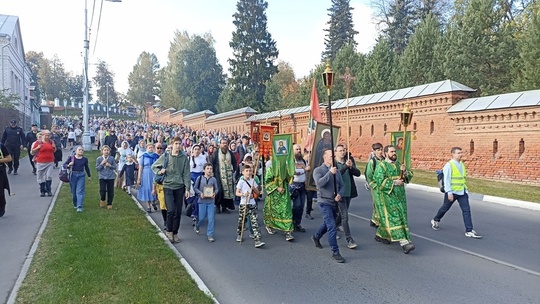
(265, 140)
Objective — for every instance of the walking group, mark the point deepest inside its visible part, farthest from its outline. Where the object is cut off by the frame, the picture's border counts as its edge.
(214, 172)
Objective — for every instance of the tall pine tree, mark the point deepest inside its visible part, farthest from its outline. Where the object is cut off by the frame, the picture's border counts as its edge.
(254, 53)
(340, 31)
(528, 74)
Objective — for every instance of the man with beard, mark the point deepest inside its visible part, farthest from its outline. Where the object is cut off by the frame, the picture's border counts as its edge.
(31, 137)
(390, 177)
(376, 157)
(298, 188)
(224, 165)
(13, 139)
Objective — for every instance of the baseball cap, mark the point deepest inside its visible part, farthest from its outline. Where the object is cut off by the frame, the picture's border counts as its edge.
(13, 121)
(34, 125)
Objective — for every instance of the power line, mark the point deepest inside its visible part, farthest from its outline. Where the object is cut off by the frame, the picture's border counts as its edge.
(97, 31)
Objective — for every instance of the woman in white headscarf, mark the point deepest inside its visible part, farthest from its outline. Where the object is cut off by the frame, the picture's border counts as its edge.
(121, 157)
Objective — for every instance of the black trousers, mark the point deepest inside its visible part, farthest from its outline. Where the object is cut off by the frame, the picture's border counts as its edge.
(15, 152)
(106, 186)
(173, 200)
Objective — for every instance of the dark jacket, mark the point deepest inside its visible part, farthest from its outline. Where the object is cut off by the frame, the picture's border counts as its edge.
(31, 137)
(13, 137)
(352, 173)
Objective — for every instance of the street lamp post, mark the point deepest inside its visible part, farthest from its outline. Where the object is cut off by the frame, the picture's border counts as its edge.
(107, 99)
(328, 79)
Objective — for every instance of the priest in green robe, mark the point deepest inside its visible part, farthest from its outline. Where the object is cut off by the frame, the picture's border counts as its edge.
(277, 204)
(390, 177)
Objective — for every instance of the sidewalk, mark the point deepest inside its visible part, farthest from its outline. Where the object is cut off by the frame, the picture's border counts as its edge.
(19, 227)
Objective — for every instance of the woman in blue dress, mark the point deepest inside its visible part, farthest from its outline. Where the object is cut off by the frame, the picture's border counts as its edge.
(146, 178)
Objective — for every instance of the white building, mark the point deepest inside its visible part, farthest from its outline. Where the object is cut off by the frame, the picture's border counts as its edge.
(15, 75)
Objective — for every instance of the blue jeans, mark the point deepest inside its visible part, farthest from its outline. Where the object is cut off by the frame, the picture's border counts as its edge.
(204, 210)
(463, 201)
(77, 182)
(298, 206)
(328, 225)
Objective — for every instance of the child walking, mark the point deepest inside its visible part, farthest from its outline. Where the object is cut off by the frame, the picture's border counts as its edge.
(105, 166)
(248, 209)
(77, 179)
(206, 203)
(129, 170)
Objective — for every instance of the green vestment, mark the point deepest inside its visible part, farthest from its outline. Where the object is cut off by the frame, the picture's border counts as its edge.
(277, 206)
(392, 203)
(375, 193)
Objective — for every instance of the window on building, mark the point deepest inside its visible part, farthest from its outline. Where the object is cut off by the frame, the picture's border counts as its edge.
(471, 147)
(414, 126)
(495, 147)
(431, 127)
(385, 128)
(521, 147)
(350, 131)
(372, 130)
(359, 131)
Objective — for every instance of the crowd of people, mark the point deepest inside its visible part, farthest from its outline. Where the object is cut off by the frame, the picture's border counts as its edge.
(172, 167)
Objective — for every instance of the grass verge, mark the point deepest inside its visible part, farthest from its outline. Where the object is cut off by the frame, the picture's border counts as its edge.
(481, 186)
(104, 256)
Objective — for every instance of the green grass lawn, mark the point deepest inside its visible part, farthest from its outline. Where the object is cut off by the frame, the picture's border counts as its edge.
(105, 256)
(481, 186)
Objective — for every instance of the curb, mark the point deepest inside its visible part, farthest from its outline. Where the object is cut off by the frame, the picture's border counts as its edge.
(481, 197)
(28, 261)
(202, 286)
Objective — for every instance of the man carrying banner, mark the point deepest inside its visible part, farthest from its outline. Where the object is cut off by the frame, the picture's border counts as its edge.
(277, 205)
(391, 176)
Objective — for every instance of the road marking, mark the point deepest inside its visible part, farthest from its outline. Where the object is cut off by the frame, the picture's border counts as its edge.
(536, 273)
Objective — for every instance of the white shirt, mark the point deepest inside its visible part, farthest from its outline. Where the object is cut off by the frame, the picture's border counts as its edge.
(200, 161)
(244, 187)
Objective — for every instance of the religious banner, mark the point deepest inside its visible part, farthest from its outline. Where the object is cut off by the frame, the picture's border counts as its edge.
(255, 132)
(282, 156)
(398, 141)
(321, 142)
(265, 140)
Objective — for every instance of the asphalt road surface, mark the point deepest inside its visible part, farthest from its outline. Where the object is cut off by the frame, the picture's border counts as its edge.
(446, 267)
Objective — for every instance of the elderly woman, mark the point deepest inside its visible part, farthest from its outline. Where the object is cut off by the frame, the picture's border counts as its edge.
(43, 151)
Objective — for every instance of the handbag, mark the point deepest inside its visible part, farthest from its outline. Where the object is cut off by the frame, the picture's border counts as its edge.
(64, 172)
(158, 179)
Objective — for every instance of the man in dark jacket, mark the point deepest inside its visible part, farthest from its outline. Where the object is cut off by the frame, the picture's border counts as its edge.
(31, 137)
(224, 165)
(13, 139)
(110, 140)
(348, 171)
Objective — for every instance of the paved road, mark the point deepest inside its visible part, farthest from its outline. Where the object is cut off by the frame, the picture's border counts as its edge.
(19, 227)
(446, 267)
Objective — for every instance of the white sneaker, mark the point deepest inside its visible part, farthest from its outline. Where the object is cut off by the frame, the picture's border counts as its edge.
(473, 234)
(238, 238)
(435, 225)
(270, 230)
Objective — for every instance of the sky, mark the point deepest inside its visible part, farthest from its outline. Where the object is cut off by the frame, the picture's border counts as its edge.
(130, 27)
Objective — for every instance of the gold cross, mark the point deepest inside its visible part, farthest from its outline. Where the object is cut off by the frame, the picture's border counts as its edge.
(348, 78)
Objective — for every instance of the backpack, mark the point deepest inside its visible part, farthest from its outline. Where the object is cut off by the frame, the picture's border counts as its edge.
(64, 172)
(158, 179)
(440, 179)
(372, 160)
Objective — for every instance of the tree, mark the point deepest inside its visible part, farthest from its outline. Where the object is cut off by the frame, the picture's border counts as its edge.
(35, 61)
(254, 53)
(9, 101)
(378, 73)
(143, 81)
(528, 72)
(401, 25)
(480, 47)
(226, 102)
(340, 31)
(75, 87)
(281, 88)
(52, 77)
(418, 64)
(200, 77)
(169, 94)
(347, 57)
(104, 81)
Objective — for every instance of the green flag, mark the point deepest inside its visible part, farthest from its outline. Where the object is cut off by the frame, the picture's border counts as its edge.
(402, 146)
(283, 156)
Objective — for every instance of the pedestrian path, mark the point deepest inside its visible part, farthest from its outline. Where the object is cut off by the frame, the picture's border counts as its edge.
(19, 227)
